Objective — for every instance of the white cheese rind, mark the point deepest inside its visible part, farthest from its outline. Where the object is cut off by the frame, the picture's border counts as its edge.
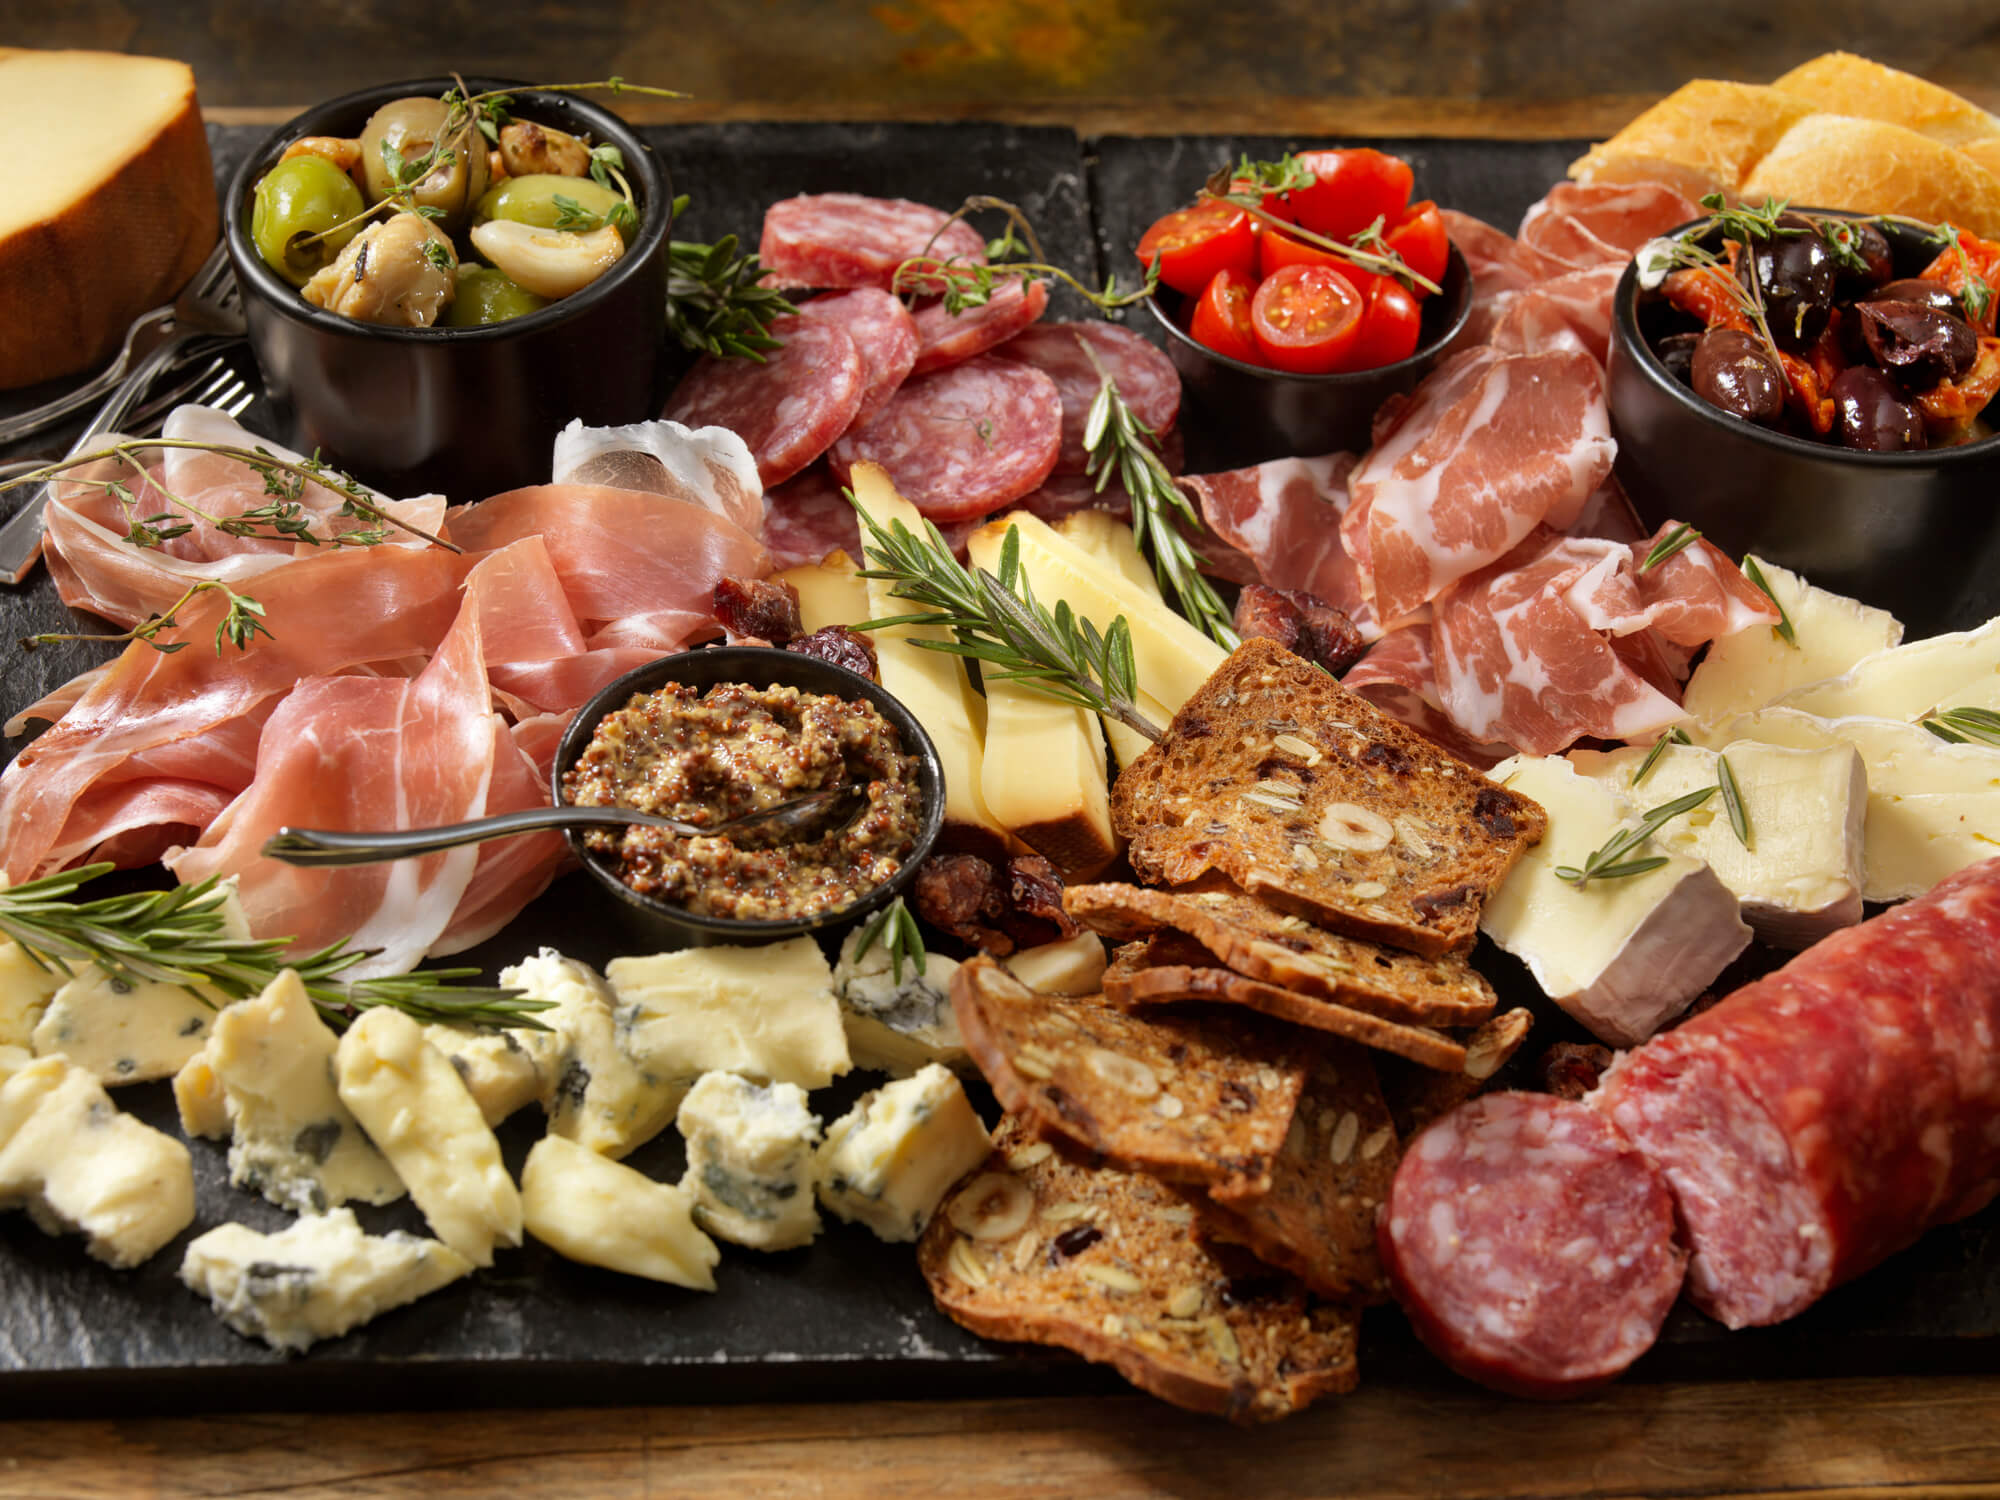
(1073, 965)
(889, 1161)
(78, 1165)
(315, 1279)
(1622, 956)
(599, 1212)
(1943, 671)
(897, 1025)
(750, 1152)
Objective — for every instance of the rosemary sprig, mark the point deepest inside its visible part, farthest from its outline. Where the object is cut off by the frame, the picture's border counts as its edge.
(1960, 726)
(1674, 736)
(1673, 543)
(1783, 629)
(1609, 861)
(998, 622)
(893, 924)
(714, 303)
(178, 937)
(1120, 443)
(964, 283)
(1732, 801)
(242, 621)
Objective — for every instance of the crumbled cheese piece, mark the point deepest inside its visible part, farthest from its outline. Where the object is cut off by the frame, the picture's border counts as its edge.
(750, 1151)
(599, 1212)
(890, 1160)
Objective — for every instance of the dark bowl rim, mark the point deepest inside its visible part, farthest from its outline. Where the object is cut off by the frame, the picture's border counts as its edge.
(1424, 355)
(643, 164)
(1626, 339)
(656, 673)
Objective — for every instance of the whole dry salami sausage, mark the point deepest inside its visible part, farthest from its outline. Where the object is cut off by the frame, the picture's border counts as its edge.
(790, 408)
(1531, 1245)
(884, 332)
(965, 441)
(1145, 377)
(945, 338)
(836, 240)
(1820, 1119)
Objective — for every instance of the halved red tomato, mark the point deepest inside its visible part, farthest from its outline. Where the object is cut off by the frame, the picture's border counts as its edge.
(1221, 318)
(1276, 250)
(1305, 319)
(1389, 327)
(1420, 239)
(1351, 190)
(1192, 244)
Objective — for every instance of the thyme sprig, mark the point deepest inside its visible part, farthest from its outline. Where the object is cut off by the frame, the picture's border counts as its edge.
(242, 621)
(894, 925)
(1121, 444)
(1961, 726)
(998, 621)
(1374, 256)
(1016, 255)
(179, 936)
(1610, 860)
(715, 304)
(1783, 629)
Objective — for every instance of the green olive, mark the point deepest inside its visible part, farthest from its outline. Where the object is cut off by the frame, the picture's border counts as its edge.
(531, 200)
(489, 296)
(300, 197)
(411, 129)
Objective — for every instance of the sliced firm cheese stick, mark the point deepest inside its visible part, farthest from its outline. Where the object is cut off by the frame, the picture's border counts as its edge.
(414, 1105)
(590, 1209)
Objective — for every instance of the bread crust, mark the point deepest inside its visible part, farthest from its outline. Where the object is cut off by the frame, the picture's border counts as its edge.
(1838, 161)
(1702, 138)
(1841, 83)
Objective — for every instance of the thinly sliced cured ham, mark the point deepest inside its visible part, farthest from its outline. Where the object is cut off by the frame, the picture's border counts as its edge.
(1399, 676)
(1576, 225)
(1695, 596)
(1570, 311)
(1285, 516)
(1490, 446)
(709, 467)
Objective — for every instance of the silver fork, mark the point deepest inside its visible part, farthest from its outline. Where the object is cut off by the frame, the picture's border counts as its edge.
(210, 297)
(202, 386)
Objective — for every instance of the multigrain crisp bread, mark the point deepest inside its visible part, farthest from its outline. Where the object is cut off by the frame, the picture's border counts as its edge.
(1418, 1095)
(1318, 1219)
(1201, 1096)
(1109, 1264)
(1308, 796)
(1282, 949)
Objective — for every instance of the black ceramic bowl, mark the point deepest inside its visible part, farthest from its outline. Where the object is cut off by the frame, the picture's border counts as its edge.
(662, 922)
(1905, 531)
(467, 412)
(1249, 413)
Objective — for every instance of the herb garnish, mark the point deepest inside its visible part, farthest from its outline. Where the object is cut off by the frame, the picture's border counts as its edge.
(1674, 542)
(1370, 251)
(1732, 801)
(1674, 736)
(1609, 862)
(895, 924)
(714, 302)
(1783, 629)
(964, 283)
(1959, 726)
(242, 621)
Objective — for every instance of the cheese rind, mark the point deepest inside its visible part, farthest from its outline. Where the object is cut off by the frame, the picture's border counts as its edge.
(750, 1150)
(889, 1161)
(897, 1025)
(315, 1279)
(1907, 682)
(595, 1091)
(598, 1212)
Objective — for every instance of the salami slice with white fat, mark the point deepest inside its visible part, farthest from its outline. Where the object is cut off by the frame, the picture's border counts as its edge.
(839, 240)
(1531, 1245)
(884, 333)
(790, 408)
(945, 338)
(807, 517)
(1145, 377)
(965, 441)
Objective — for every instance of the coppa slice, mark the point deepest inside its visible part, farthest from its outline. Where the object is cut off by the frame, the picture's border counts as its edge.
(1308, 796)
(946, 338)
(789, 409)
(846, 240)
(1146, 378)
(1196, 1098)
(883, 332)
(1281, 949)
(1108, 1264)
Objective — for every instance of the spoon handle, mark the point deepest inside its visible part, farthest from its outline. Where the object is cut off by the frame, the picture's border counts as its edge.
(325, 846)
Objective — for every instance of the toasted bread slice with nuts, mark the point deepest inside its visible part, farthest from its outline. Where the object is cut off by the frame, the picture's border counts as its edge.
(1308, 796)
(1196, 1097)
(1108, 1264)
(1279, 948)
(1318, 1219)
(1418, 1095)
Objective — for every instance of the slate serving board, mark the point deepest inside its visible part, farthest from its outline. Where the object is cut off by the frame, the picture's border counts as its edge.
(848, 1315)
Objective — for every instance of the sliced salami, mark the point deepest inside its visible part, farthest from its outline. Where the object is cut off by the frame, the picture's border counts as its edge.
(807, 517)
(1530, 1244)
(1817, 1121)
(788, 409)
(884, 332)
(965, 441)
(1145, 377)
(839, 240)
(945, 339)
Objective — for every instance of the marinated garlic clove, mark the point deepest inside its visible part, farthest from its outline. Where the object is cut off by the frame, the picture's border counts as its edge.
(340, 150)
(389, 275)
(527, 148)
(550, 263)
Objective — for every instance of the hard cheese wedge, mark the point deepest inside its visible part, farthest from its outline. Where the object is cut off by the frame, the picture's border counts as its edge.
(830, 591)
(110, 202)
(1110, 541)
(1623, 956)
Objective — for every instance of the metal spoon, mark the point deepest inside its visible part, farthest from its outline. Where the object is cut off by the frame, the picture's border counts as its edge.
(834, 807)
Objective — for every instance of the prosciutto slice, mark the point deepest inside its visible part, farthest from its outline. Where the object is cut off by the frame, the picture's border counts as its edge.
(1695, 596)
(707, 467)
(1577, 225)
(1399, 676)
(1285, 516)
(1490, 446)
(1570, 311)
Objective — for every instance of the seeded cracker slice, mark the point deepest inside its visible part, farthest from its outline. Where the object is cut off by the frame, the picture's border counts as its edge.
(1108, 1264)
(1290, 952)
(1418, 1095)
(1308, 796)
(1198, 1097)
(1318, 1219)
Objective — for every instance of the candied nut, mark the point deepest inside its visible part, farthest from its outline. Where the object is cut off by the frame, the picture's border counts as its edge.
(1031, 1155)
(1367, 890)
(1185, 1302)
(1111, 1278)
(994, 1206)
(1348, 825)
(1377, 1140)
(964, 1263)
(1126, 1073)
(1344, 1136)
(1494, 1043)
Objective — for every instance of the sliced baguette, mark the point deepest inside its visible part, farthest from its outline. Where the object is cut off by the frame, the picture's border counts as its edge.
(1702, 138)
(1842, 84)
(1839, 161)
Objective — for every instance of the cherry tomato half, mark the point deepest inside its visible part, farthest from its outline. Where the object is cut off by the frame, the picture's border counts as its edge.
(1192, 244)
(1351, 190)
(1305, 319)
(1222, 317)
(1420, 239)
(1275, 251)
(1389, 328)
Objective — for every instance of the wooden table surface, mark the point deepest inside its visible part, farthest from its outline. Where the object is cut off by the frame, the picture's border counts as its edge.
(1911, 1436)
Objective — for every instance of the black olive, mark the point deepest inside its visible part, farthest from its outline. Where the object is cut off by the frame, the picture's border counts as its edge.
(1676, 352)
(1872, 414)
(1872, 246)
(1917, 344)
(1795, 274)
(1933, 294)
(1734, 372)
